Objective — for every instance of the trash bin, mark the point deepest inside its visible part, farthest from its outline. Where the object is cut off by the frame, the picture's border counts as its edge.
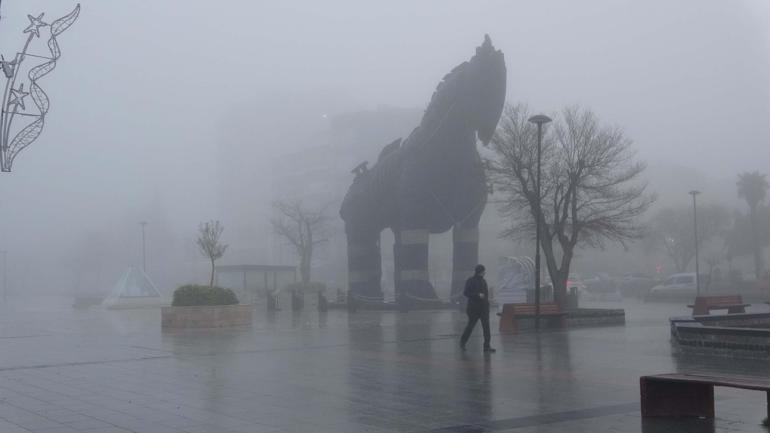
(573, 298)
(546, 295)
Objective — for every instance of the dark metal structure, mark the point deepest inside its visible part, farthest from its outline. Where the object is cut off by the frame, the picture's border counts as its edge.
(14, 104)
(251, 282)
(431, 182)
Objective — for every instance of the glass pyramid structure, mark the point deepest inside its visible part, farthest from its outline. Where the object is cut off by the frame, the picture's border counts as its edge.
(134, 289)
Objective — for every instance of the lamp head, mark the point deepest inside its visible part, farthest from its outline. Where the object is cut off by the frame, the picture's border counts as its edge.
(540, 119)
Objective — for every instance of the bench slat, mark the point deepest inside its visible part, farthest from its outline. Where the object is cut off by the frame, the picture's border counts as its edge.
(742, 382)
(704, 304)
(512, 312)
(722, 306)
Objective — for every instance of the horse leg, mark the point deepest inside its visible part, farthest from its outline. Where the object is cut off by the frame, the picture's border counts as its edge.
(465, 257)
(413, 273)
(364, 265)
(398, 287)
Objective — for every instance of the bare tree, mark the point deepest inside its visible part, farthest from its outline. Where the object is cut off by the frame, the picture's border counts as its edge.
(590, 188)
(303, 227)
(208, 243)
(672, 228)
(752, 187)
(749, 234)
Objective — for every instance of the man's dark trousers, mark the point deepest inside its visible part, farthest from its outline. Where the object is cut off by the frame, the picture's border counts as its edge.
(473, 317)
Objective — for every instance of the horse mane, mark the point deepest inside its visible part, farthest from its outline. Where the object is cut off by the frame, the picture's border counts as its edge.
(444, 96)
(440, 103)
(390, 148)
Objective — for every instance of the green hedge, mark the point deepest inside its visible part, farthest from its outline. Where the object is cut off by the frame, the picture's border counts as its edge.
(192, 295)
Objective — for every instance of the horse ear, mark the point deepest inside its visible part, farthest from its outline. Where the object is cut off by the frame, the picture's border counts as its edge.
(486, 46)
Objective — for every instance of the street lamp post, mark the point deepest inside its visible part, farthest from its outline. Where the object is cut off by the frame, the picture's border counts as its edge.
(694, 193)
(144, 249)
(5, 276)
(539, 120)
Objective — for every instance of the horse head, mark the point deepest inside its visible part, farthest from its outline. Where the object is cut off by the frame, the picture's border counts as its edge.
(484, 90)
(471, 95)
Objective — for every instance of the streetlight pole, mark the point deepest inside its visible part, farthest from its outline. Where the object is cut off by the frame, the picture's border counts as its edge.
(694, 193)
(144, 249)
(5, 276)
(539, 120)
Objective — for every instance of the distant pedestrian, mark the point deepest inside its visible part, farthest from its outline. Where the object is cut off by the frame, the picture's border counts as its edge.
(478, 307)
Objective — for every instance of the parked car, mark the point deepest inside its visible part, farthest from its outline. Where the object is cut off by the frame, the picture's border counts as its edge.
(601, 287)
(601, 283)
(676, 285)
(636, 284)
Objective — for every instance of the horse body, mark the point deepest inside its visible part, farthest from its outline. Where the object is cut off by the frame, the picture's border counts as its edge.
(431, 182)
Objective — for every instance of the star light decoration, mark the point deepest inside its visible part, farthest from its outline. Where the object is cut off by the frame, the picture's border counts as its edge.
(13, 107)
(17, 97)
(35, 24)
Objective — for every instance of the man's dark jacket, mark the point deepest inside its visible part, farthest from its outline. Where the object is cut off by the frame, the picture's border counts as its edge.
(474, 287)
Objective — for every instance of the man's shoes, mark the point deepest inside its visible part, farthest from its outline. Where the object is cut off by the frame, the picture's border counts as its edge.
(462, 347)
(490, 350)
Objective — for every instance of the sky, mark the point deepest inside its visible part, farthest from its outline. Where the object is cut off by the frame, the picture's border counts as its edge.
(143, 90)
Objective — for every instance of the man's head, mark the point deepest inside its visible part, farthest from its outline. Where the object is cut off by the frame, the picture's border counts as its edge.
(480, 270)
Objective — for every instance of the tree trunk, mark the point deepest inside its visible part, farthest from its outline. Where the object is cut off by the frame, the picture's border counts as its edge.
(560, 289)
(558, 276)
(304, 267)
(211, 282)
(681, 265)
(559, 272)
(560, 286)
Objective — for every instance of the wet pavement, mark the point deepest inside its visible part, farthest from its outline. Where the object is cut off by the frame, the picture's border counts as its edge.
(99, 371)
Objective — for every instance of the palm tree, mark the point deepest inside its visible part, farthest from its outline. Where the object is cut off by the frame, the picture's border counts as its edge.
(752, 187)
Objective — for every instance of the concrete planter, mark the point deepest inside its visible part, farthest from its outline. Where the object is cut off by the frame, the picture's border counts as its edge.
(740, 335)
(595, 317)
(209, 316)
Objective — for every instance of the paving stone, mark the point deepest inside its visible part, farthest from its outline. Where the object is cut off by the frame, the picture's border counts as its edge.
(365, 372)
(7, 427)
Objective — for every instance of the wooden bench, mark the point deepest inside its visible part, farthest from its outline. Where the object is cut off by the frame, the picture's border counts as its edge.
(690, 395)
(513, 312)
(704, 304)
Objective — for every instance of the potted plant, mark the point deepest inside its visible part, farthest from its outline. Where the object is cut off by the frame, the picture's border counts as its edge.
(197, 306)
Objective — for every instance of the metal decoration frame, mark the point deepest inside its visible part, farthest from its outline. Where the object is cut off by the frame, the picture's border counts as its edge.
(14, 140)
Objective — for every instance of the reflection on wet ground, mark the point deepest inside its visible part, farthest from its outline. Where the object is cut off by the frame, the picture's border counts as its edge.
(115, 371)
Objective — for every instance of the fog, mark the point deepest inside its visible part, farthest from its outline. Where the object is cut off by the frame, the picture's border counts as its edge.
(176, 112)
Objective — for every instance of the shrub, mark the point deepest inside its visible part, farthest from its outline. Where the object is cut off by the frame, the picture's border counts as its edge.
(192, 295)
(311, 287)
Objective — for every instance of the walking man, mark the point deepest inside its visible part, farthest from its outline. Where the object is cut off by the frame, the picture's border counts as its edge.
(478, 307)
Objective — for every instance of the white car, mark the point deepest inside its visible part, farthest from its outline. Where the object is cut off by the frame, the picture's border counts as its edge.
(677, 284)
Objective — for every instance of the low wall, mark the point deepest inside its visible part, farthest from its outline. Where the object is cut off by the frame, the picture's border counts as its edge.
(595, 317)
(733, 335)
(209, 316)
(582, 317)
